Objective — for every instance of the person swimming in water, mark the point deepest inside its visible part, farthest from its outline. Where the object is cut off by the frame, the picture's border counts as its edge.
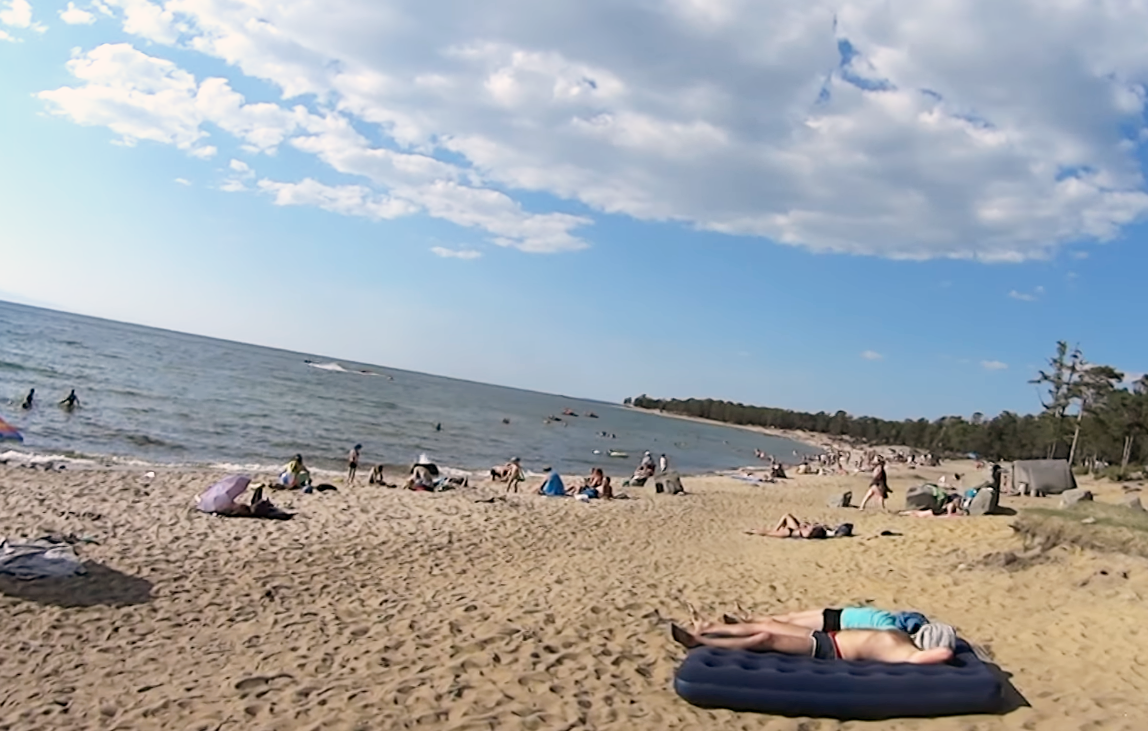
(28, 399)
(438, 427)
(70, 401)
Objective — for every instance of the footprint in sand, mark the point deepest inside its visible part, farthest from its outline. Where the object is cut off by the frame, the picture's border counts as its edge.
(261, 682)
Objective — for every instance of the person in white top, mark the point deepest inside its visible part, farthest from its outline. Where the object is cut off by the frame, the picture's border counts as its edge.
(353, 463)
(663, 463)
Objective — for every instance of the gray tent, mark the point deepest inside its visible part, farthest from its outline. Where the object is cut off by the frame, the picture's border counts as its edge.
(1042, 476)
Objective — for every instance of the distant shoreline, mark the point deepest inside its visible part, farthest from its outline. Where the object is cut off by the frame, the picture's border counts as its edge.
(812, 439)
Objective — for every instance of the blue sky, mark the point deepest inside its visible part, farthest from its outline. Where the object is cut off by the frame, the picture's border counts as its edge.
(890, 209)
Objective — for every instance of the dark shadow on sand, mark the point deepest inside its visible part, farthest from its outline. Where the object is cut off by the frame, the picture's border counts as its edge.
(1002, 510)
(101, 586)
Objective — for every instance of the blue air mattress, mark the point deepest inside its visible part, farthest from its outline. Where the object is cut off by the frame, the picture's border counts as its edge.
(789, 685)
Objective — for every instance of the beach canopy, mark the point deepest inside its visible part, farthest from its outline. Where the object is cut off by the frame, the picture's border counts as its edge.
(1043, 476)
(222, 495)
(7, 431)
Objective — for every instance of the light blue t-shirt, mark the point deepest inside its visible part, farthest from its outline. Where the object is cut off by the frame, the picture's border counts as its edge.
(867, 618)
(553, 486)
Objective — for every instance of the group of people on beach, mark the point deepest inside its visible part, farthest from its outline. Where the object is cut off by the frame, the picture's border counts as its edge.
(68, 403)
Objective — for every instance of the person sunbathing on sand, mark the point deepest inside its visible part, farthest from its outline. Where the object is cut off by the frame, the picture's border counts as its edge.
(790, 527)
(936, 646)
(259, 507)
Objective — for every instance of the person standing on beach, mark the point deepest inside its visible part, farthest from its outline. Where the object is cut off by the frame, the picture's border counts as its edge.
(353, 463)
(878, 486)
(663, 464)
(28, 399)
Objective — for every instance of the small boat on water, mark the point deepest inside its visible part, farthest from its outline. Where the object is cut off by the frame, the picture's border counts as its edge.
(616, 454)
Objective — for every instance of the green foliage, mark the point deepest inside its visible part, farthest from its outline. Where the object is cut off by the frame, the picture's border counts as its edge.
(1086, 413)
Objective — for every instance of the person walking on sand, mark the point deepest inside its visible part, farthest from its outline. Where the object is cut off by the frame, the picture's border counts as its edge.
(353, 463)
(70, 401)
(663, 464)
(29, 399)
(878, 486)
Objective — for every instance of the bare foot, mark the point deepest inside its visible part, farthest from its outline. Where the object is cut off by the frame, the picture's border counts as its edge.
(683, 637)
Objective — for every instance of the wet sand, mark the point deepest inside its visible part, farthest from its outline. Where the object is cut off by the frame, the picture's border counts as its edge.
(378, 608)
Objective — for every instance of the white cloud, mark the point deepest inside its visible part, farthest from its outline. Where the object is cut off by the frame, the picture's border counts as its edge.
(5, 36)
(455, 253)
(241, 168)
(1027, 296)
(16, 14)
(871, 355)
(75, 16)
(354, 200)
(914, 132)
(1080, 255)
(993, 365)
(183, 181)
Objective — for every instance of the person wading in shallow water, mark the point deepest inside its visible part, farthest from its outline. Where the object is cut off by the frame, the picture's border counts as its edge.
(28, 399)
(70, 401)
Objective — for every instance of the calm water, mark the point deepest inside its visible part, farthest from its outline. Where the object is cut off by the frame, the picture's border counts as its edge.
(161, 397)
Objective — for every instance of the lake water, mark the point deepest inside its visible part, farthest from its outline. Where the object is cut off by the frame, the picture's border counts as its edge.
(160, 397)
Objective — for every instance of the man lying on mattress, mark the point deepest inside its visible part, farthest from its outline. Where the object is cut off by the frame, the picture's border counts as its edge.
(932, 644)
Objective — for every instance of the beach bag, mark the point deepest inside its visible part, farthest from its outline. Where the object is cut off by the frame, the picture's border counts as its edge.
(844, 500)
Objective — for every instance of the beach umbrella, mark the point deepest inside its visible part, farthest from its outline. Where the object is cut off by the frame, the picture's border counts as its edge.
(222, 494)
(7, 431)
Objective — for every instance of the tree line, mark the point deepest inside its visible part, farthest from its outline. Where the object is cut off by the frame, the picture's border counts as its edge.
(1089, 415)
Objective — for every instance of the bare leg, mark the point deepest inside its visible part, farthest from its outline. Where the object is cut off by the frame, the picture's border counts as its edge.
(790, 644)
(813, 619)
(874, 492)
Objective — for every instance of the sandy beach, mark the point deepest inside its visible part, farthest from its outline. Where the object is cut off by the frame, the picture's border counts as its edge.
(377, 608)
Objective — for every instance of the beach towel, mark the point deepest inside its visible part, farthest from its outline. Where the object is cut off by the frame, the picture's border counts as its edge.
(38, 560)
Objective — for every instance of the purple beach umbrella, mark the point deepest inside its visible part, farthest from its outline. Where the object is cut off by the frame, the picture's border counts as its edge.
(222, 494)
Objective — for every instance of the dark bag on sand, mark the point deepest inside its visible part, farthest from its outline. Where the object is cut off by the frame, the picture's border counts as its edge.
(921, 497)
(843, 531)
(844, 500)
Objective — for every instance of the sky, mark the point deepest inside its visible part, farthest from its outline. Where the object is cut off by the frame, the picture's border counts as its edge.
(894, 208)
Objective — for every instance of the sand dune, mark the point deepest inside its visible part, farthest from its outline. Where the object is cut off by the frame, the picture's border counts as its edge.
(378, 609)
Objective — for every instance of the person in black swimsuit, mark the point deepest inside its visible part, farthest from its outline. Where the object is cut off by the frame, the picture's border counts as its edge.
(28, 399)
(70, 401)
(878, 486)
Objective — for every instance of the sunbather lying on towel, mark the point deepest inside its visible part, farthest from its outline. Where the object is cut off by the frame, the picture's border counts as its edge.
(790, 527)
(936, 646)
